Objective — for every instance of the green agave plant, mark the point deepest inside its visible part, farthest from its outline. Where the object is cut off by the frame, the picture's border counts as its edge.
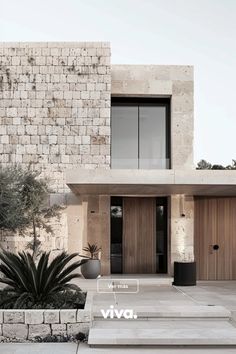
(28, 281)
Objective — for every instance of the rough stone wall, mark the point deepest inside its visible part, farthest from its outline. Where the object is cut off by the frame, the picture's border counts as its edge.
(55, 114)
(28, 324)
(182, 229)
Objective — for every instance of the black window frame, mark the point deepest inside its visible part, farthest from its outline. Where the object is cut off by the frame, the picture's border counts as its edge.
(147, 101)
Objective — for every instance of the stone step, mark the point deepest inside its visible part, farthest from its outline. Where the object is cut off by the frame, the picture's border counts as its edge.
(168, 332)
(142, 280)
(145, 312)
(84, 348)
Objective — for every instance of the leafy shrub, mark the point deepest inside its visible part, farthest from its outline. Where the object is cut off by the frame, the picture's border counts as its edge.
(54, 339)
(24, 204)
(68, 299)
(42, 285)
(93, 251)
(61, 338)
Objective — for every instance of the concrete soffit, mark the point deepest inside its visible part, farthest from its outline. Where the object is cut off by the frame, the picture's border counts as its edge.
(152, 182)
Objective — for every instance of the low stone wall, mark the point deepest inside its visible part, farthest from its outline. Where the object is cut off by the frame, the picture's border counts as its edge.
(28, 324)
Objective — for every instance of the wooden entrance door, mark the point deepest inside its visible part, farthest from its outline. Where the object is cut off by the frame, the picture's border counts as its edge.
(215, 238)
(139, 235)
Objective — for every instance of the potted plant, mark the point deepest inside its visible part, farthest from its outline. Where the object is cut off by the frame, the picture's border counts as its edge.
(185, 271)
(91, 269)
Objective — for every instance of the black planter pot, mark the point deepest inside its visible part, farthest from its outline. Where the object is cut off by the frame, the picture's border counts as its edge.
(91, 269)
(184, 273)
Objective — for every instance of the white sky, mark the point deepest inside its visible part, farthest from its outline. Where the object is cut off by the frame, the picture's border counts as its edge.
(197, 32)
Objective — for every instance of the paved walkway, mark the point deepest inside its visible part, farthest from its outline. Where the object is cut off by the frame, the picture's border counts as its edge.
(205, 293)
(71, 348)
(213, 293)
(38, 348)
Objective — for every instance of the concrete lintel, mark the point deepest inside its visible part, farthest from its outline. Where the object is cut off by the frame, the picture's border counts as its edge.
(152, 182)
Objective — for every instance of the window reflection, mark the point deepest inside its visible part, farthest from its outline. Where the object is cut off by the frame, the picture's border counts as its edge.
(140, 135)
(161, 235)
(152, 137)
(124, 143)
(116, 234)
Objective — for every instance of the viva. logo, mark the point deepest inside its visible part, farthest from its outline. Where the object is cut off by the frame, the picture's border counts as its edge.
(128, 314)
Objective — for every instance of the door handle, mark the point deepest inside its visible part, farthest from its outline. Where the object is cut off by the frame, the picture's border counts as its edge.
(213, 248)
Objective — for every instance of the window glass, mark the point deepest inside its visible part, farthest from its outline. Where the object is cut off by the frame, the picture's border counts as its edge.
(152, 137)
(140, 134)
(161, 235)
(124, 138)
(116, 234)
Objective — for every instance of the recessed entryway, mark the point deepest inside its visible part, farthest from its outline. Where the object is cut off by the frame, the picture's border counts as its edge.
(138, 235)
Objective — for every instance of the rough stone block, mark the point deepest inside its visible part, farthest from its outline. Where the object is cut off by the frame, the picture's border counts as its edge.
(41, 330)
(14, 316)
(33, 316)
(1, 316)
(59, 329)
(75, 328)
(104, 130)
(51, 316)
(15, 330)
(68, 316)
(83, 316)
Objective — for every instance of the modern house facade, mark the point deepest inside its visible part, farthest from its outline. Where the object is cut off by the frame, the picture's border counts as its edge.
(116, 142)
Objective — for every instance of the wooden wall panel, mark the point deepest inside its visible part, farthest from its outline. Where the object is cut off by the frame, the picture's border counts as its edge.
(205, 236)
(139, 235)
(224, 240)
(233, 223)
(214, 224)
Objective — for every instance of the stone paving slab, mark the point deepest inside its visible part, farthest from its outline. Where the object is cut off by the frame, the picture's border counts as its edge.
(167, 324)
(164, 332)
(195, 311)
(38, 348)
(85, 349)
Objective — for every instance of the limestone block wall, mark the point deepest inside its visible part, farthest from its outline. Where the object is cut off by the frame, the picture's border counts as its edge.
(181, 228)
(28, 324)
(173, 81)
(55, 114)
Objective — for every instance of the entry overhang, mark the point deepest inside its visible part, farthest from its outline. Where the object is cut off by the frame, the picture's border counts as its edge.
(152, 182)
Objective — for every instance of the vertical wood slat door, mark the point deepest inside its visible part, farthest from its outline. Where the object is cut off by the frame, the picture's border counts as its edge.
(215, 224)
(139, 235)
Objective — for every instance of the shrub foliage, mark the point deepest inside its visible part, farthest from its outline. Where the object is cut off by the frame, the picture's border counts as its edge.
(36, 285)
(24, 204)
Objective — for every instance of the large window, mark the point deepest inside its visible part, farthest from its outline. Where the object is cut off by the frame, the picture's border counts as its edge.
(140, 133)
